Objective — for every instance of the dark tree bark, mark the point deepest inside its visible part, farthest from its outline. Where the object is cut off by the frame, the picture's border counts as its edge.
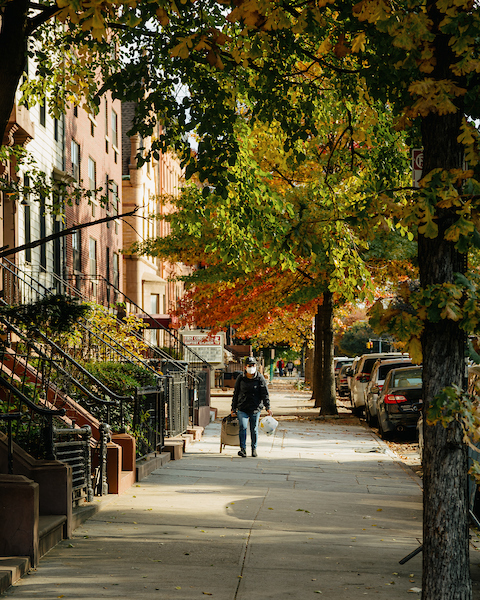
(317, 383)
(324, 377)
(446, 573)
(13, 50)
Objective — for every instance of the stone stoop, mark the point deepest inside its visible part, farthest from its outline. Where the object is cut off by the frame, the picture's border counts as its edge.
(151, 462)
(12, 568)
(50, 532)
(176, 446)
(188, 438)
(196, 431)
(51, 528)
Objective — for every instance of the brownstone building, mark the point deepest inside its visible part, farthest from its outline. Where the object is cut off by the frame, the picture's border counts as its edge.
(148, 281)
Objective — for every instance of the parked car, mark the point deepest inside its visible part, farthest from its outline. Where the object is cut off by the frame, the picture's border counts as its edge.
(361, 377)
(338, 362)
(342, 380)
(350, 374)
(380, 370)
(400, 403)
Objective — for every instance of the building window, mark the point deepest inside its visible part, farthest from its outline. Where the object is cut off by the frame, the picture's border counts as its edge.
(107, 272)
(77, 251)
(27, 225)
(92, 257)
(114, 129)
(43, 233)
(92, 181)
(75, 155)
(114, 201)
(106, 127)
(116, 272)
(92, 263)
(154, 304)
(75, 111)
(55, 129)
(92, 175)
(43, 112)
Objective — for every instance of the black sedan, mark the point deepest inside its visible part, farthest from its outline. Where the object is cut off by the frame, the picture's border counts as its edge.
(400, 403)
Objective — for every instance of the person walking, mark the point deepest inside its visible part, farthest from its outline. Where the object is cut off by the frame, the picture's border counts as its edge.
(249, 397)
(280, 365)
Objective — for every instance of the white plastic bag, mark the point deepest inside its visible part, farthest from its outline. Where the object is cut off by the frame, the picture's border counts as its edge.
(268, 425)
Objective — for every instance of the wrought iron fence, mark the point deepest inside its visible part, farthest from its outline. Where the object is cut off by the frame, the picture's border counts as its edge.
(149, 418)
(72, 446)
(177, 404)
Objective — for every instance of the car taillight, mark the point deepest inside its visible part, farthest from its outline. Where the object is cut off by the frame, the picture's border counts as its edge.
(394, 399)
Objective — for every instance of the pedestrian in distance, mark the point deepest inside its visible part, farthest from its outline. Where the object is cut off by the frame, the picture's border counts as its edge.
(290, 366)
(250, 396)
(280, 365)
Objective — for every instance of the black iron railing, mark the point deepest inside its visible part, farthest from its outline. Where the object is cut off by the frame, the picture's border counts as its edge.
(26, 423)
(149, 418)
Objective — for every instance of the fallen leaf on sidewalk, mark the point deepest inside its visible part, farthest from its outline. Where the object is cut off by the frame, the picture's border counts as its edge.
(415, 590)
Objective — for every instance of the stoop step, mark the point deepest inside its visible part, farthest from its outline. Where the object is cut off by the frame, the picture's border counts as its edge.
(12, 568)
(50, 532)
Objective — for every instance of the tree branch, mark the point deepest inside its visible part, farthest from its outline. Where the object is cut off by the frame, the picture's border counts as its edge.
(45, 14)
(60, 234)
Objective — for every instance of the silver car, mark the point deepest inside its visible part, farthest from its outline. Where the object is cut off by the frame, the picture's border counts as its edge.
(361, 377)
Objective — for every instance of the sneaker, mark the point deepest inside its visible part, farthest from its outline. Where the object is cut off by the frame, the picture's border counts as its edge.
(242, 452)
(254, 452)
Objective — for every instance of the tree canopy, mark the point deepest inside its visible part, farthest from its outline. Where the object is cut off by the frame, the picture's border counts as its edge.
(200, 67)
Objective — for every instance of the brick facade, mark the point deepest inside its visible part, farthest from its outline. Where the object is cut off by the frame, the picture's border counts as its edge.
(93, 154)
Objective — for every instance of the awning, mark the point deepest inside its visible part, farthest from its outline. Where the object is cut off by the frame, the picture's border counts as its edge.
(157, 321)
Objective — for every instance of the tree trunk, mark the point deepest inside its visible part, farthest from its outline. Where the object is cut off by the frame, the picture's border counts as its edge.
(309, 366)
(13, 50)
(446, 573)
(317, 383)
(324, 377)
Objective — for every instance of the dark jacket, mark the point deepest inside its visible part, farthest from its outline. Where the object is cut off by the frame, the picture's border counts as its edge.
(250, 395)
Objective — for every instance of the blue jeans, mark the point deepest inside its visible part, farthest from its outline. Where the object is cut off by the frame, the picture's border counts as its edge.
(245, 420)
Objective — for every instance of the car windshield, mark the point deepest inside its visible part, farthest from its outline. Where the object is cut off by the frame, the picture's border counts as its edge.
(410, 378)
(384, 370)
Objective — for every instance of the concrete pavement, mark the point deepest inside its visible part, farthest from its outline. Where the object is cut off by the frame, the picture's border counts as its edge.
(326, 508)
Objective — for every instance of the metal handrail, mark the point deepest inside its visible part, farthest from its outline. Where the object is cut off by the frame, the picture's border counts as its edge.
(74, 291)
(45, 339)
(143, 312)
(113, 345)
(44, 412)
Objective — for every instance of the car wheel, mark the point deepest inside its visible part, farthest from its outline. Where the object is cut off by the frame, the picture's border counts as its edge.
(357, 410)
(385, 435)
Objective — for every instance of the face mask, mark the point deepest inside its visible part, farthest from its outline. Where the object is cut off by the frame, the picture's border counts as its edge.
(252, 370)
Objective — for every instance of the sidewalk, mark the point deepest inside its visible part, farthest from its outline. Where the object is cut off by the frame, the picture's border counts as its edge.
(325, 508)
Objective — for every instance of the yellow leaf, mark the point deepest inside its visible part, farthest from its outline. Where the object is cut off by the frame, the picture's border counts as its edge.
(181, 50)
(162, 16)
(359, 43)
(415, 350)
